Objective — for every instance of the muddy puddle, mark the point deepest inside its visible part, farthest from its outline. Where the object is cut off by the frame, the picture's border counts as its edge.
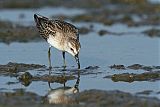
(119, 59)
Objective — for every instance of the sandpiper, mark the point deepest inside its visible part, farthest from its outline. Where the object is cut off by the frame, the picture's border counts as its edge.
(59, 34)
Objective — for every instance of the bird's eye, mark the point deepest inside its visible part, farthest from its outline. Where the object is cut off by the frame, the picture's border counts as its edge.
(71, 49)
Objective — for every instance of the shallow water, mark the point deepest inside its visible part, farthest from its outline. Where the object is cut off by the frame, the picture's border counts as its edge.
(96, 51)
(131, 48)
(25, 16)
(154, 1)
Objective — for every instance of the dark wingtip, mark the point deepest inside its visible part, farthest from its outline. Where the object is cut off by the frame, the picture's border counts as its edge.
(36, 18)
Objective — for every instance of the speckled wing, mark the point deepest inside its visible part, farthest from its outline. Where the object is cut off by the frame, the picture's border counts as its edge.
(66, 29)
(48, 27)
(44, 25)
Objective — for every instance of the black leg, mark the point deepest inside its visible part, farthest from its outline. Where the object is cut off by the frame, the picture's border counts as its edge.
(77, 60)
(64, 62)
(49, 57)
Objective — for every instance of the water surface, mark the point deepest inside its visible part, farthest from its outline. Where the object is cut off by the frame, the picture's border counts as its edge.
(133, 47)
(96, 51)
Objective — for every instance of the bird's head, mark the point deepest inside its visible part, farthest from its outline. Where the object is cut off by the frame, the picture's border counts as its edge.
(73, 47)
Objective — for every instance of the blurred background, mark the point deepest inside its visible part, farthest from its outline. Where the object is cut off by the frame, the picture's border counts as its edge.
(119, 38)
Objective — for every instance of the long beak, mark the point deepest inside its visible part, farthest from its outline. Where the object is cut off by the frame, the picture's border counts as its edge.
(77, 60)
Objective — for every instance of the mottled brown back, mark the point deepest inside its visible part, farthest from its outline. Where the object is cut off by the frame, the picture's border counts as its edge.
(48, 27)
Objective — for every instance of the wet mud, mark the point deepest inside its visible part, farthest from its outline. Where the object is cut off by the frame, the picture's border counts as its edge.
(151, 73)
(26, 78)
(88, 98)
(20, 71)
(62, 76)
(13, 68)
(132, 16)
(85, 98)
(115, 99)
(135, 67)
(131, 77)
(11, 32)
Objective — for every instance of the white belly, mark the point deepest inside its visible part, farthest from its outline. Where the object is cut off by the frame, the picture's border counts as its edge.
(55, 42)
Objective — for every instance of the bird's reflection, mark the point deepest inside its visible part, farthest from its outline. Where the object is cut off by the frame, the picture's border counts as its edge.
(64, 95)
